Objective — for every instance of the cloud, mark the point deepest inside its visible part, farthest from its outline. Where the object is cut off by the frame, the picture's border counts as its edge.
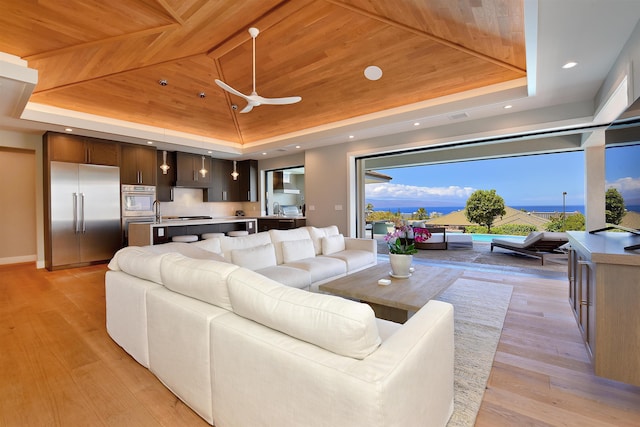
(626, 186)
(391, 191)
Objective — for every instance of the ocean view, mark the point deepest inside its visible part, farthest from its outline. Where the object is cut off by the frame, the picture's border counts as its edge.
(443, 210)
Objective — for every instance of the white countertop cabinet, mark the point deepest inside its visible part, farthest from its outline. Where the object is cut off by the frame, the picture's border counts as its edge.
(604, 293)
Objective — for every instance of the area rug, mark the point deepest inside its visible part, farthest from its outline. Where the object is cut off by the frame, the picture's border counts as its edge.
(479, 312)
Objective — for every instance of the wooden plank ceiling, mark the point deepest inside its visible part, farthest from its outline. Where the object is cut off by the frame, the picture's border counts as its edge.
(106, 58)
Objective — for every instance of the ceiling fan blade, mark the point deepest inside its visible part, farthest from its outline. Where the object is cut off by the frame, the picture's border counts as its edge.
(255, 100)
(281, 101)
(246, 109)
(229, 89)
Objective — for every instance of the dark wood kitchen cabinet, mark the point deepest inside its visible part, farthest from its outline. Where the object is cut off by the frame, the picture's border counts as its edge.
(247, 183)
(138, 165)
(225, 189)
(166, 182)
(188, 168)
(221, 188)
(266, 224)
(80, 149)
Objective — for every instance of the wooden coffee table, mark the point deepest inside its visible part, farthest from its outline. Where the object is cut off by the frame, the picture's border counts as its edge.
(395, 301)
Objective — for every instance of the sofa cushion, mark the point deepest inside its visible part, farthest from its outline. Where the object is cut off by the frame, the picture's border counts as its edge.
(205, 280)
(336, 324)
(354, 258)
(254, 258)
(290, 276)
(139, 262)
(321, 267)
(318, 233)
(242, 242)
(332, 244)
(295, 250)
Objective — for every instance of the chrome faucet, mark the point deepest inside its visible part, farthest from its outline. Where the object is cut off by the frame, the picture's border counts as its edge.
(156, 205)
(276, 208)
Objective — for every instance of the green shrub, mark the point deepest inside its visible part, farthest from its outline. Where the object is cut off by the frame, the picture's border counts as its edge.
(509, 229)
(514, 229)
(574, 222)
(476, 229)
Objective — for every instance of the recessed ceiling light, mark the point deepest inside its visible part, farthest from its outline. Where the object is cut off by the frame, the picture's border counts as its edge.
(149, 142)
(351, 136)
(416, 123)
(372, 72)
(68, 130)
(569, 65)
(506, 107)
(209, 152)
(297, 146)
(264, 154)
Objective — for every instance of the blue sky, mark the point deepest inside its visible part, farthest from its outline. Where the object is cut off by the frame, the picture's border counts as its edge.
(537, 180)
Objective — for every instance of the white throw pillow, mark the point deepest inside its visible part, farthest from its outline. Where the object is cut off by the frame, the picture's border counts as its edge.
(211, 245)
(295, 250)
(205, 280)
(333, 244)
(336, 324)
(318, 233)
(279, 236)
(262, 256)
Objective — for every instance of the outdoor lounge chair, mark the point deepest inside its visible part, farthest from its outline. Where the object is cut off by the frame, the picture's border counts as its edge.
(537, 244)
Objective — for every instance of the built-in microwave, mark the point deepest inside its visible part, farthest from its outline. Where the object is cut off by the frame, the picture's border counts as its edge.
(137, 200)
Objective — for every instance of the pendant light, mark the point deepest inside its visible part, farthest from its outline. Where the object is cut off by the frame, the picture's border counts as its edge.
(235, 173)
(164, 166)
(203, 171)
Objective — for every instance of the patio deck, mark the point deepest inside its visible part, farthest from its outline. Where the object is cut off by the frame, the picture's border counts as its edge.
(480, 257)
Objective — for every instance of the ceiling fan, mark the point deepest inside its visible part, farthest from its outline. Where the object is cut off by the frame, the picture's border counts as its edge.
(255, 100)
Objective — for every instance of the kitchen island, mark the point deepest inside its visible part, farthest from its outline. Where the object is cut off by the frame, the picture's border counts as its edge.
(604, 293)
(154, 233)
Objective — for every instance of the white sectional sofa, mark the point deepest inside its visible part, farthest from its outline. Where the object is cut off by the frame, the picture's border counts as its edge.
(242, 349)
(304, 257)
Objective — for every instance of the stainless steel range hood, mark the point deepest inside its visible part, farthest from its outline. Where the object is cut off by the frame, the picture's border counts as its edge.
(282, 183)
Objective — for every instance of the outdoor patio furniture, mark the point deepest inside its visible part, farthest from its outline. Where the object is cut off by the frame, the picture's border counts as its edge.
(380, 227)
(438, 239)
(537, 244)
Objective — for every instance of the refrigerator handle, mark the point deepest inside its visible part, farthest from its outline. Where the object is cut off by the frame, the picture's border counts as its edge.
(83, 228)
(75, 212)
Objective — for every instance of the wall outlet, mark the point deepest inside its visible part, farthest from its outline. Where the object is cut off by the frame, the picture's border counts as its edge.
(160, 232)
(338, 207)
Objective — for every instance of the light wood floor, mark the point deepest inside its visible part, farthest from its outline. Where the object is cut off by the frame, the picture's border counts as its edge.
(58, 366)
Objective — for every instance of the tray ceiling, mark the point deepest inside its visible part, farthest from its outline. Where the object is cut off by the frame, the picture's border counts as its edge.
(107, 58)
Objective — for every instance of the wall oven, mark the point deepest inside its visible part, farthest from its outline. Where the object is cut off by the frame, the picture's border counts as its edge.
(137, 200)
(137, 206)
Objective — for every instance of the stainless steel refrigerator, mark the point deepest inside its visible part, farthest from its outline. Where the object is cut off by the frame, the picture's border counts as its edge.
(85, 213)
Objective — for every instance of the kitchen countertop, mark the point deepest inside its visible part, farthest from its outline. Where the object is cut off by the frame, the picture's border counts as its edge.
(607, 248)
(177, 222)
(280, 217)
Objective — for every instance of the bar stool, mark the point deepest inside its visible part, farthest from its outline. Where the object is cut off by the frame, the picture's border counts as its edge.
(187, 238)
(206, 236)
(238, 233)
